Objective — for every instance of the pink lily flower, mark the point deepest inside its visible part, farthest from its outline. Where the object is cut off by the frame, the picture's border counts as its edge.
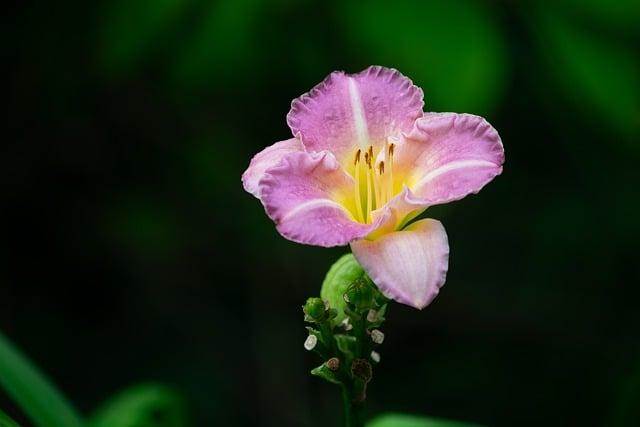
(364, 161)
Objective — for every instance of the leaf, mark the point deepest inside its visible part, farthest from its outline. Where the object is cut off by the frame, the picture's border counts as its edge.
(143, 405)
(454, 50)
(601, 77)
(326, 374)
(342, 273)
(6, 421)
(37, 397)
(401, 420)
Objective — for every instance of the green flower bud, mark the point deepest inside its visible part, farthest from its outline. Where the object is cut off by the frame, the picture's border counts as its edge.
(340, 276)
(315, 309)
(361, 294)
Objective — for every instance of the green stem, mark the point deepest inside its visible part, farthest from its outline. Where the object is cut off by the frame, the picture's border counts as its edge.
(352, 411)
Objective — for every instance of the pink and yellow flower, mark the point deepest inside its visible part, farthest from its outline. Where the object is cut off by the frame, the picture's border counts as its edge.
(365, 160)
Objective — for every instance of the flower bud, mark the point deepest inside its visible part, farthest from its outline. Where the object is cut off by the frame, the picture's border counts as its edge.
(361, 369)
(360, 294)
(377, 336)
(310, 343)
(340, 276)
(333, 364)
(315, 309)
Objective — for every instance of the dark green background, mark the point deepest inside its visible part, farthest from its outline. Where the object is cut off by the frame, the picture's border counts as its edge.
(131, 252)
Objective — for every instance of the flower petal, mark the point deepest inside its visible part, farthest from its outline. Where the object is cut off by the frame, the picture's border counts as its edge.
(266, 159)
(409, 266)
(447, 156)
(304, 195)
(397, 212)
(346, 111)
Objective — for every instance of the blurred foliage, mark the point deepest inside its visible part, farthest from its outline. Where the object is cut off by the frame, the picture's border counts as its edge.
(143, 405)
(601, 77)
(6, 421)
(401, 420)
(454, 50)
(40, 400)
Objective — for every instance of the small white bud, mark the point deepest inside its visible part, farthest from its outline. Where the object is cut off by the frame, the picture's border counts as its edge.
(375, 356)
(377, 336)
(310, 342)
(346, 325)
(372, 316)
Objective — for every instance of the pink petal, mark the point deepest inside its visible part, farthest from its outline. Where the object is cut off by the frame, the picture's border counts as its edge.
(302, 195)
(397, 212)
(346, 111)
(451, 155)
(409, 266)
(266, 159)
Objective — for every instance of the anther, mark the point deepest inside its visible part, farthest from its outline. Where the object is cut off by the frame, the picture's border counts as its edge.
(381, 167)
(357, 157)
(392, 147)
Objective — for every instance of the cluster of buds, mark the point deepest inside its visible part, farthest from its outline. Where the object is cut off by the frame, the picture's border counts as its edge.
(346, 332)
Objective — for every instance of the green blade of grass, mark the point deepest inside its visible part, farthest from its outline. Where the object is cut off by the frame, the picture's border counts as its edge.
(6, 421)
(37, 397)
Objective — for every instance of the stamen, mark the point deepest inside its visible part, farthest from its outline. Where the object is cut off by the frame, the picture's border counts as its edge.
(389, 180)
(367, 157)
(358, 199)
(380, 195)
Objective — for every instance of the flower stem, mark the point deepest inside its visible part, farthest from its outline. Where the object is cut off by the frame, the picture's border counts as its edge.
(352, 411)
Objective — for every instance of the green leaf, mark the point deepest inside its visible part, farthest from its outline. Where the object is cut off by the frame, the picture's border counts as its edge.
(143, 405)
(41, 402)
(454, 50)
(401, 420)
(601, 77)
(326, 374)
(341, 274)
(6, 421)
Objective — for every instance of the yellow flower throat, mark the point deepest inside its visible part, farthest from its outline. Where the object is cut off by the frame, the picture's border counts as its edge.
(373, 186)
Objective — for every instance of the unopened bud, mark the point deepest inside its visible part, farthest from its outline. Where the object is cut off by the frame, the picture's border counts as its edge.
(372, 316)
(377, 336)
(346, 324)
(311, 342)
(333, 364)
(314, 308)
(361, 368)
(375, 356)
(360, 293)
